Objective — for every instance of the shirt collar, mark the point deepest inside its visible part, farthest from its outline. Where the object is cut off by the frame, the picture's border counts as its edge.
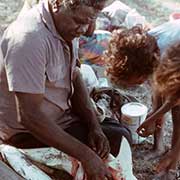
(49, 23)
(47, 18)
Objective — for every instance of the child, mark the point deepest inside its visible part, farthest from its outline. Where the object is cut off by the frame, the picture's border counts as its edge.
(167, 84)
(132, 56)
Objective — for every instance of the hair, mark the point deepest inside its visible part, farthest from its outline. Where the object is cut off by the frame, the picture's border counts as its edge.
(72, 4)
(167, 76)
(131, 53)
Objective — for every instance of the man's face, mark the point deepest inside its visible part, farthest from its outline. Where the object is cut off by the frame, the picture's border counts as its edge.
(74, 23)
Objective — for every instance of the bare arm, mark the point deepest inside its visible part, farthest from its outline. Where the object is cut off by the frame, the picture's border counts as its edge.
(156, 100)
(82, 106)
(31, 117)
(155, 118)
(81, 103)
(46, 131)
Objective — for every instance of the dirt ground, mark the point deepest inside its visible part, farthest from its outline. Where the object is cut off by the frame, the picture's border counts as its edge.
(156, 12)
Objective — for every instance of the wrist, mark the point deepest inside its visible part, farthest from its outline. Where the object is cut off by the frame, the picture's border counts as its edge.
(87, 155)
(94, 126)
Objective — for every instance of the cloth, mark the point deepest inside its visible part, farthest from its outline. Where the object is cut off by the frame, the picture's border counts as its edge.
(108, 101)
(120, 166)
(119, 14)
(89, 77)
(92, 48)
(133, 18)
(118, 136)
(35, 59)
(112, 16)
(111, 128)
(166, 34)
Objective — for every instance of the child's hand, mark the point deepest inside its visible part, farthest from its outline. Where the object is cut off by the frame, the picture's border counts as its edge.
(146, 128)
(155, 120)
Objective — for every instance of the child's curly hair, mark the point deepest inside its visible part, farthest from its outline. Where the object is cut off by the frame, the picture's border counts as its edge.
(167, 75)
(131, 53)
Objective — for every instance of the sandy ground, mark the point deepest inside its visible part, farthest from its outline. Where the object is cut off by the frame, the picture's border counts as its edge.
(156, 12)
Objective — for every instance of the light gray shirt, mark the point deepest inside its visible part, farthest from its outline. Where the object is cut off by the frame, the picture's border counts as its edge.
(35, 59)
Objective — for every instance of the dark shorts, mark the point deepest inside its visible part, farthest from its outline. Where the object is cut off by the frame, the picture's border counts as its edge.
(111, 128)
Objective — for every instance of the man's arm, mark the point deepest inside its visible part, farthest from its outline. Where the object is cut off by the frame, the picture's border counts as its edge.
(31, 117)
(82, 106)
(81, 103)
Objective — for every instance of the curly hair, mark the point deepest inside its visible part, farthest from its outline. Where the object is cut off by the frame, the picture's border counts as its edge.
(131, 53)
(167, 76)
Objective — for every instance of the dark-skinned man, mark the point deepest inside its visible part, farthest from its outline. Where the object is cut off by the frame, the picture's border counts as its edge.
(44, 101)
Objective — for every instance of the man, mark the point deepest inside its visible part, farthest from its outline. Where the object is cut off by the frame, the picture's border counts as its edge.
(44, 101)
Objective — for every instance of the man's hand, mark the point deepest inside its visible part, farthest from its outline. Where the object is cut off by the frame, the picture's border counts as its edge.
(99, 143)
(96, 169)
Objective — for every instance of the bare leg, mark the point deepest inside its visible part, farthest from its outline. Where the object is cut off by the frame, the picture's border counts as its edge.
(176, 125)
(169, 162)
(158, 147)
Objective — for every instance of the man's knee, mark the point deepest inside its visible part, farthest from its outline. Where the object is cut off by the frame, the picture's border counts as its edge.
(114, 135)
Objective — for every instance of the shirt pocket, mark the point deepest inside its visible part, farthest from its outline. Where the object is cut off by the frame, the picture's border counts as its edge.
(56, 73)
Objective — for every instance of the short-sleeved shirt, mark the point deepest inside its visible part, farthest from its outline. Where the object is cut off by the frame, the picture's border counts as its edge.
(35, 59)
(166, 34)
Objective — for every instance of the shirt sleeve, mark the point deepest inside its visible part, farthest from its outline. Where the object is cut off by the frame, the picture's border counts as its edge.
(25, 63)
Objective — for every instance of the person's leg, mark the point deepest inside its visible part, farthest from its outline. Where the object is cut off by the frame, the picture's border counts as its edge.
(158, 146)
(170, 160)
(114, 132)
(176, 127)
(27, 140)
(158, 139)
(111, 128)
(24, 140)
(79, 131)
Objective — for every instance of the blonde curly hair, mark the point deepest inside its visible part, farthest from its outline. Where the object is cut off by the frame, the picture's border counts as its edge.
(167, 75)
(131, 53)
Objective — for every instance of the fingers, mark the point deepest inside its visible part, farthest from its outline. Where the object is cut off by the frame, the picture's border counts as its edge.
(103, 146)
(146, 132)
(143, 132)
(107, 176)
(105, 150)
(92, 144)
(100, 144)
(147, 128)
